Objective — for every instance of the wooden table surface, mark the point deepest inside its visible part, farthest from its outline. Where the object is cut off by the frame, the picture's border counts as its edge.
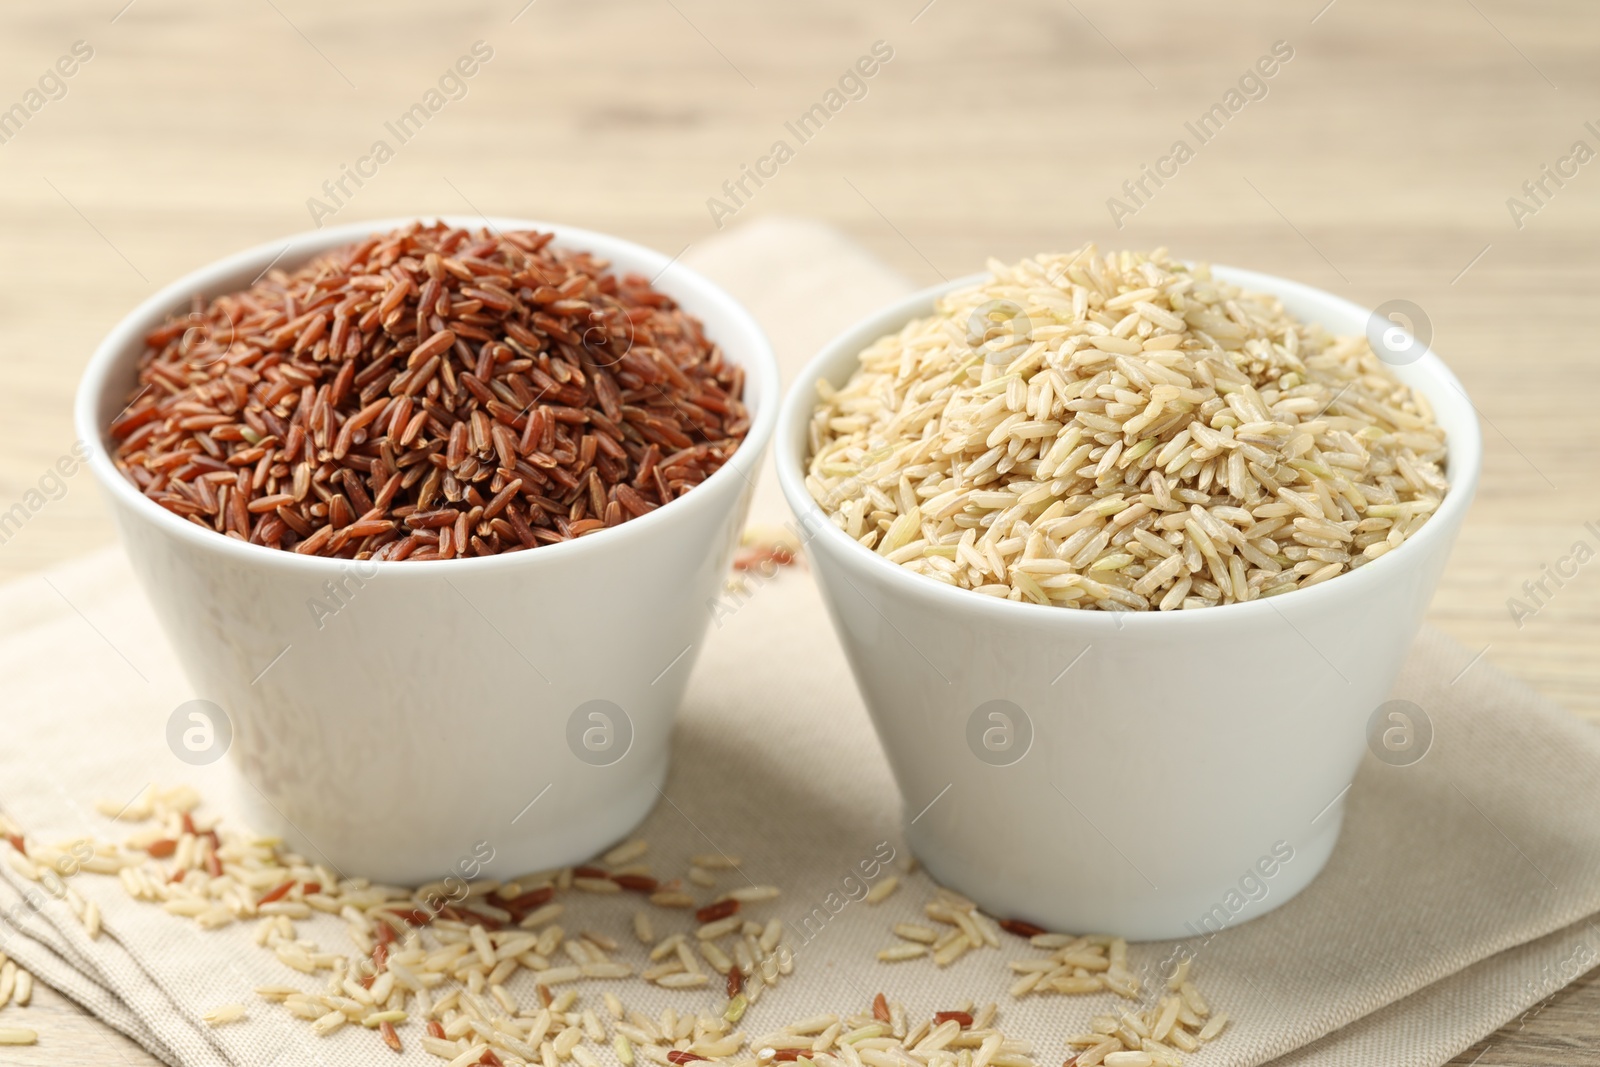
(1379, 161)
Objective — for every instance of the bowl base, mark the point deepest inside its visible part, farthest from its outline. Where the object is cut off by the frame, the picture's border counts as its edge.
(536, 845)
(1150, 915)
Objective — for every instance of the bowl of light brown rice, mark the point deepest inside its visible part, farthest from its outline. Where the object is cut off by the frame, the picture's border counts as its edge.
(1129, 549)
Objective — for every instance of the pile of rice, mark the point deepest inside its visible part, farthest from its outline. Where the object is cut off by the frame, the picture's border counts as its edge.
(1123, 431)
(505, 973)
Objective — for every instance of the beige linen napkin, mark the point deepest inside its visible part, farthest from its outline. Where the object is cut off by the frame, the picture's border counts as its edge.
(1462, 892)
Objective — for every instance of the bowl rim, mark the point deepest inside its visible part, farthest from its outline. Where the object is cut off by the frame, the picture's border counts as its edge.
(755, 354)
(1464, 461)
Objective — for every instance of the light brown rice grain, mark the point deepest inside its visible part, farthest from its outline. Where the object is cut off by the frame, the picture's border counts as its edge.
(902, 951)
(882, 889)
(222, 1016)
(626, 852)
(752, 893)
(916, 932)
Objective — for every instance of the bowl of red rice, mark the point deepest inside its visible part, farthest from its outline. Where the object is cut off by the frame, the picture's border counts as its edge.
(430, 513)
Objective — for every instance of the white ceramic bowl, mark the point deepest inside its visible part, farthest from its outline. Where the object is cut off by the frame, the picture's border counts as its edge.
(405, 735)
(1060, 766)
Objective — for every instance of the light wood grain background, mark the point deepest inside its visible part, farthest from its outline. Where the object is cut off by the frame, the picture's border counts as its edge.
(1378, 165)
